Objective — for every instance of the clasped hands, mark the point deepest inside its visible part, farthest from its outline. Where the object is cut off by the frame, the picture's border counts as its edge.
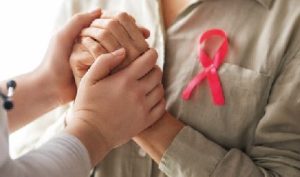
(120, 93)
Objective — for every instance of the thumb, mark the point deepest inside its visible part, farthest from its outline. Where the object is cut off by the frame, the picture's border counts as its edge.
(104, 64)
(79, 21)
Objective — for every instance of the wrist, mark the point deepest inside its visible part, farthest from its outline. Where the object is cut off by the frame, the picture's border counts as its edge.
(42, 79)
(59, 87)
(156, 139)
(90, 138)
(41, 83)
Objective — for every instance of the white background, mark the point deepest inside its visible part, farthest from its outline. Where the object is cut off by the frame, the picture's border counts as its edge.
(25, 29)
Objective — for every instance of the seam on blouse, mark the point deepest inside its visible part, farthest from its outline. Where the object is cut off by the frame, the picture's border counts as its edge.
(286, 60)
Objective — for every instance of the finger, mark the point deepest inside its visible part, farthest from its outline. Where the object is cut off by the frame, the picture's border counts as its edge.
(80, 61)
(109, 14)
(151, 80)
(143, 64)
(81, 56)
(103, 22)
(120, 34)
(104, 65)
(155, 96)
(146, 33)
(104, 37)
(157, 111)
(133, 31)
(94, 47)
(76, 24)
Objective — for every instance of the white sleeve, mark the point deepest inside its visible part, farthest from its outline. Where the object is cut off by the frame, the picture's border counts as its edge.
(63, 156)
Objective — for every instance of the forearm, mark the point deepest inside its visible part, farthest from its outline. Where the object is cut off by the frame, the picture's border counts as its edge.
(33, 97)
(91, 138)
(178, 155)
(156, 139)
(63, 156)
(188, 153)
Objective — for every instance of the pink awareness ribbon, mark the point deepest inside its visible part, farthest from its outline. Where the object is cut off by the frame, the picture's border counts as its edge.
(210, 69)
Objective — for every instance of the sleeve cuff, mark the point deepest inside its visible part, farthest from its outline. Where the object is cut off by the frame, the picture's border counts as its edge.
(77, 151)
(191, 154)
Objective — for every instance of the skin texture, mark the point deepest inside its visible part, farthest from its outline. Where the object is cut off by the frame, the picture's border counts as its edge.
(107, 102)
(156, 139)
(54, 72)
(96, 114)
(106, 35)
(171, 9)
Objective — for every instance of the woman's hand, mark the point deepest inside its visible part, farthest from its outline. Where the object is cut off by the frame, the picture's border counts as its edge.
(52, 83)
(106, 35)
(114, 108)
(55, 69)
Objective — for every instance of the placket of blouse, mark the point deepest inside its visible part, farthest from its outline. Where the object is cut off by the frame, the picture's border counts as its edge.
(143, 164)
(160, 43)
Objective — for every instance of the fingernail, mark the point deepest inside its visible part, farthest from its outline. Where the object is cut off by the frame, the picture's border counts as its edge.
(119, 52)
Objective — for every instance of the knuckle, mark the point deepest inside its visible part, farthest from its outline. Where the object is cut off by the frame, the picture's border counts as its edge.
(161, 90)
(123, 16)
(133, 52)
(85, 41)
(153, 54)
(150, 57)
(145, 46)
(95, 49)
(103, 35)
(161, 87)
(132, 18)
(158, 72)
(156, 76)
(161, 106)
(112, 24)
(74, 59)
(141, 46)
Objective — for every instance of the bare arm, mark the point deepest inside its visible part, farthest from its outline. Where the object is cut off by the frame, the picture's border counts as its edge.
(52, 83)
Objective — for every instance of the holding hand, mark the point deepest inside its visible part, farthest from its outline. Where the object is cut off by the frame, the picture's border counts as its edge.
(56, 65)
(109, 104)
(107, 35)
(54, 76)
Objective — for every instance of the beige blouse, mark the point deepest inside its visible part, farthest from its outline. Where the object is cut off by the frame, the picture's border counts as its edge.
(257, 132)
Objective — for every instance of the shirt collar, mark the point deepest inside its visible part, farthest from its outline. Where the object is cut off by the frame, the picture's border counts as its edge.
(266, 3)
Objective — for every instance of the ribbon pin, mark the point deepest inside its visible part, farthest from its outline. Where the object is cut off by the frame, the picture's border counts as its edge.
(210, 68)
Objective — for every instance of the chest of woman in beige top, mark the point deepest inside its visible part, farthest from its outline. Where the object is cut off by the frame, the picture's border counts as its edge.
(259, 44)
(260, 39)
